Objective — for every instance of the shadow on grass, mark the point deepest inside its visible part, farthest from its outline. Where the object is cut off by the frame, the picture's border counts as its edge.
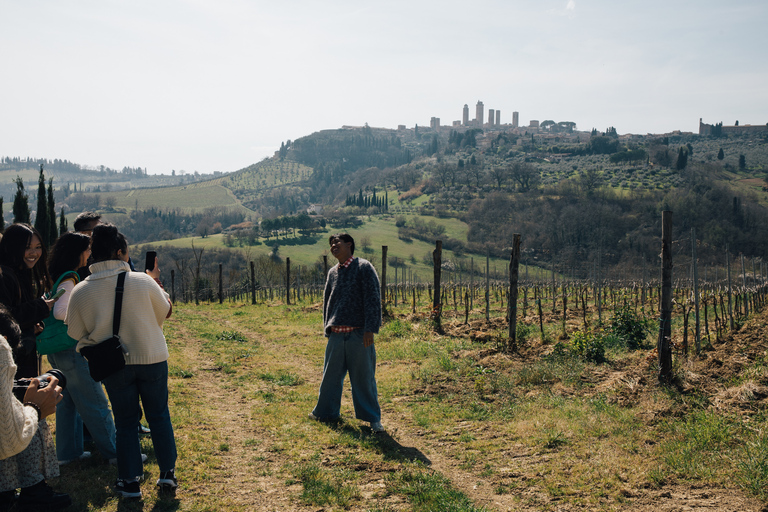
(381, 442)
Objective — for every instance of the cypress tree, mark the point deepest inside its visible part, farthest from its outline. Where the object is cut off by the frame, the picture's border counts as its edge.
(20, 203)
(52, 231)
(41, 220)
(62, 222)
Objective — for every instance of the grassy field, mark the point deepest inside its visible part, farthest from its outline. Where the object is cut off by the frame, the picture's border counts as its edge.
(191, 197)
(468, 427)
(369, 238)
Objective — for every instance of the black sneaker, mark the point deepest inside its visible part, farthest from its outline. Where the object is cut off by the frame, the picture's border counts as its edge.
(128, 489)
(41, 497)
(167, 483)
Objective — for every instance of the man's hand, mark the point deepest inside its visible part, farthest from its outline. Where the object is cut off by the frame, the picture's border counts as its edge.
(367, 339)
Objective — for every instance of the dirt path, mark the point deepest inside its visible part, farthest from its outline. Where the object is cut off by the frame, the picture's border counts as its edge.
(248, 478)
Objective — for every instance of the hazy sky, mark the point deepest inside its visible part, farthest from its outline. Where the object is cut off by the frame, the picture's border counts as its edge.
(216, 85)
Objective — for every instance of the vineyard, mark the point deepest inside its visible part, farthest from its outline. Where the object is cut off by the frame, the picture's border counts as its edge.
(708, 303)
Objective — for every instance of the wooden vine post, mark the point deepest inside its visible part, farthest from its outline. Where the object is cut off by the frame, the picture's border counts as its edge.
(253, 284)
(665, 321)
(694, 257)
(288, 281)
(221, 284)
(514, 272)
(384, 312)
(437, 261)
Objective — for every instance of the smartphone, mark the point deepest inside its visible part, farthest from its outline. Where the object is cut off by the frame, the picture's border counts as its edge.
(151, 257)
(57, 294)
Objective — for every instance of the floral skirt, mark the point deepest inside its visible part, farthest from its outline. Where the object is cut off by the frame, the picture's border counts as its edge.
(36, 463)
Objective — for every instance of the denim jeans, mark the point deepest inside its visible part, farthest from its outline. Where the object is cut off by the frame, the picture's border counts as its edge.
(84, 402)
(148, 383)
(345, 353)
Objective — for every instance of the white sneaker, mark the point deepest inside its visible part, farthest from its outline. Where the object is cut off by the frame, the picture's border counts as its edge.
(376, 426)
(313, 417)
(83, 456)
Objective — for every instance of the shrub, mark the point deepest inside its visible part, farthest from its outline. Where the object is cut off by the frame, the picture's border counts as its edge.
(629, 327)
(586, 346)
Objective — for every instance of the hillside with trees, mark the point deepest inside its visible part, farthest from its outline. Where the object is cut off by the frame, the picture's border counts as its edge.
(577, 198)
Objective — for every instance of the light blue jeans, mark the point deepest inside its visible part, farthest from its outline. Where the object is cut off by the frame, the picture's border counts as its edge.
(84, 402)
(345, 353)
(148, 383)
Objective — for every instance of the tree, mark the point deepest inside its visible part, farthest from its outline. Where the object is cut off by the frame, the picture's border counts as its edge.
(20, 203)
(742, 162)
(62, 222)
(41, 220)
(525, 175)
(682, 158)
(52, 231)
(2, 216)
(590, 180)
(500, 174)
(720, 154)
(547, 125)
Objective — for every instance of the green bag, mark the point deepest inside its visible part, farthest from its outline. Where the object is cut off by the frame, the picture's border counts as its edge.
(54, 337)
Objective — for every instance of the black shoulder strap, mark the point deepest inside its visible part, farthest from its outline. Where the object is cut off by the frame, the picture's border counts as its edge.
(118, 303)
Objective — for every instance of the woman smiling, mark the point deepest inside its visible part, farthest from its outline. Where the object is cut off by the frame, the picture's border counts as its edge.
(23, 280)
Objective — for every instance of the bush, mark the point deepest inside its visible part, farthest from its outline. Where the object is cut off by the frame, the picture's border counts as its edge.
(629, 327)
(582, 345)
(588, 346)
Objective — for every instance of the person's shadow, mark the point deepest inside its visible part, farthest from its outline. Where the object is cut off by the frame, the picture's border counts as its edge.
(384, 443)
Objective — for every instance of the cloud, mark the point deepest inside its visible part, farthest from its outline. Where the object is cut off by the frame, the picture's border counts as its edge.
(569, 10)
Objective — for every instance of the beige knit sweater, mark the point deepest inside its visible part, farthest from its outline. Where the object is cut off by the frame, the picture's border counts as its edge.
(145, 307)
(18, 423)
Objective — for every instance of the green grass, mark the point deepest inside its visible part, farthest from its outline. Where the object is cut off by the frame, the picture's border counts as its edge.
(243, 378)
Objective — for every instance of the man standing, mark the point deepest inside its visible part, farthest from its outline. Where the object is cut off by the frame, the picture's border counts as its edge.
(351, 317)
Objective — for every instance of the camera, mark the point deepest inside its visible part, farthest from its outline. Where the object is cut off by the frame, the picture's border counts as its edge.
(20, 385)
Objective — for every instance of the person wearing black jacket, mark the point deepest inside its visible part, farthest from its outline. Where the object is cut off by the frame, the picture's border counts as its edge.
(23, 280)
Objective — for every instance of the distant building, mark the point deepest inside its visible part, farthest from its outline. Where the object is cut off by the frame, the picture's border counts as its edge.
(457, 124)
(434, 123)
(491, 117)
(706, 129)
(515, 119)
(498, 117)
(534, 124)
(401, 127)
(479, 114)
(465, 116)
(315, 209)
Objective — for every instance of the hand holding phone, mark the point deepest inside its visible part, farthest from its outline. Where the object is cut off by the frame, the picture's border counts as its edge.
(57, 294)
(150, 262)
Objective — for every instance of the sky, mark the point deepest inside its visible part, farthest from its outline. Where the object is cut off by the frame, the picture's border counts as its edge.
(217, 85)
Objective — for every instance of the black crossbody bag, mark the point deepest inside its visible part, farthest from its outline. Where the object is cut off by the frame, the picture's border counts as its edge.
(107, 358)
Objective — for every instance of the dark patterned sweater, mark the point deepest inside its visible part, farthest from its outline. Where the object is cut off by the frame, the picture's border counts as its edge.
(352, 297)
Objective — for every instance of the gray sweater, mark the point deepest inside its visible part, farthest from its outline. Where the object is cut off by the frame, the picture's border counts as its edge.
(352, 297)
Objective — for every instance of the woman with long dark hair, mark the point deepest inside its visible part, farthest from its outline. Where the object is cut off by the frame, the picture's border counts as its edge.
(84, 400)
(23, 281)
